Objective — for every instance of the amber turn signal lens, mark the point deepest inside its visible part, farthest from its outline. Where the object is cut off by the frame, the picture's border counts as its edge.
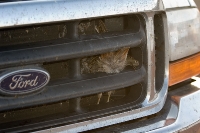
(184, 69)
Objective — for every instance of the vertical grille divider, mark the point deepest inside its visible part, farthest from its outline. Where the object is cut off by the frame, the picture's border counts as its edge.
(74, 68)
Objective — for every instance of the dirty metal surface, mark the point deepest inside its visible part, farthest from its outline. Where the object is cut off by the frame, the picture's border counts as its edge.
(169, 112)
(189, 106)
(33, 12)
(151, 58)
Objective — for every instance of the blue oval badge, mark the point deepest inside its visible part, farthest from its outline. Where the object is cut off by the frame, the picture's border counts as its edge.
(23, 81)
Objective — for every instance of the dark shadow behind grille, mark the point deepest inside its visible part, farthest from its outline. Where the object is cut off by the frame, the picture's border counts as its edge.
(30, 34)
(69, 84)
(160, 50)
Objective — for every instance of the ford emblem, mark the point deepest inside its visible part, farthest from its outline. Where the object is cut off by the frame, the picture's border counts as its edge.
(23, 81)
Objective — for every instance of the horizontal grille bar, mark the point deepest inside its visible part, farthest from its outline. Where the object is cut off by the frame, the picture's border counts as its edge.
(104, 43)
(55, 93)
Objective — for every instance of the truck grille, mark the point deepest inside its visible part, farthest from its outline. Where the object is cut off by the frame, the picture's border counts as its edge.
(75, 93)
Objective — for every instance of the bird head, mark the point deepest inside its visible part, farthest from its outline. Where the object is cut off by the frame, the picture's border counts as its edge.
(114, 62)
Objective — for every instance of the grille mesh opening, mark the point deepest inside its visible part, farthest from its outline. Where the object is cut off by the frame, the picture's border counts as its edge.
(57, 70)
(159, 50)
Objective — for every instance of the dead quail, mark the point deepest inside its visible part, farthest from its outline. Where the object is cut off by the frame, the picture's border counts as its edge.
(90, 65)
(113, 62)
(130, 61)
(109, 95)
(99, 97)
